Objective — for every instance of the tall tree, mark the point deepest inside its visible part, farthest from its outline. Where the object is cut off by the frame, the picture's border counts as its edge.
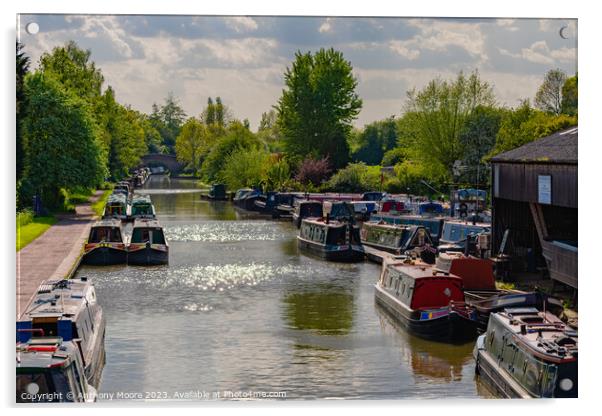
(62, 139)
(375, 140)
(441, 110)
(21, 104)
(549, 94)
(209, 113)
(191, 143)
(172, 115)
(570, 96)
(317, 106)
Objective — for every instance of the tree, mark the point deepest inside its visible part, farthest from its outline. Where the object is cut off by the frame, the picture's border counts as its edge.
(237, 137)
(244, 168)
(268, 131)
(440, 111)
(355, 177)
(549, 94)
(209, 113)
(22, 61)
(317, 106)
(62, 139)
(478, 138)
(569, 96)
(172, 117)
(278, 173)
(374, 140)
(128, 144)
(191, 143)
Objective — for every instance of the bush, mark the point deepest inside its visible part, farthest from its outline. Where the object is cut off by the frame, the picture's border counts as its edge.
(393, 157)
(313, 171)
(356, 177)
(244, 168)
(24, 217)
(278, 174)
(394, 186)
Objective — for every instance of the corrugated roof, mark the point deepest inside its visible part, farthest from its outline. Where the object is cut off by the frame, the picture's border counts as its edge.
(560, 147)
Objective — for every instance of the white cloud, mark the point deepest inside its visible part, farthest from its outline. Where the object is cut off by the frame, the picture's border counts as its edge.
(508, 24)
(540, 53)
(402, 48)
(241, 23)
(326, 26)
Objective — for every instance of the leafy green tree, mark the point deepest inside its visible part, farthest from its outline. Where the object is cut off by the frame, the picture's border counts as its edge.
(355, 177)
(62, 139)
(208, 115)
(191, 143)
(172, 117)
(478, 139)
(278, 173)
(549, 95)
(394, 156)
(128, 144)
(317, 106)
(374, 140)
(268, 131)
(22, 61)
(525, 124)
(441, 110)
(244, 168)
(570, 96)
(237, 137)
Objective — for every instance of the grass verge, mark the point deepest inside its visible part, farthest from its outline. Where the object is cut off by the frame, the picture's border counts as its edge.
(32, 230)
(99, 205)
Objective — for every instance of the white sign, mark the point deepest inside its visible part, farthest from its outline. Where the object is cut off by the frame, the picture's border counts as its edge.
(544, 187)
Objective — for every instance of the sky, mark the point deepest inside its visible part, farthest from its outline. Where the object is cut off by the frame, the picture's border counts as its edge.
(242, 59)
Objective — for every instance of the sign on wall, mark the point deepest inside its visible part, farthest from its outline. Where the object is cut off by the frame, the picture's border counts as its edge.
(544, 188)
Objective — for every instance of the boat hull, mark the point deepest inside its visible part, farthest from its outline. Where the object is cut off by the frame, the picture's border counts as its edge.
(148, 256)
(451, 327)
(104, 256)
(494, 377)
(331, 253)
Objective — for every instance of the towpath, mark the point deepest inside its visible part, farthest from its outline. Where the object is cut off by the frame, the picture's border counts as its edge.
(54, 254)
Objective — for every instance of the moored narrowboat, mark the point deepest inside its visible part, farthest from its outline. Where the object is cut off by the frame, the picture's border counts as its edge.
(218, 192)
(148, 245)
(427, 302)
(527, 353)
(51, 370)
(68, 309)
(395, 239)
(307, 209)
(456, 234)
(142, 207)
(105, 244)
(434, 225)
(117, 206)
(330, 239)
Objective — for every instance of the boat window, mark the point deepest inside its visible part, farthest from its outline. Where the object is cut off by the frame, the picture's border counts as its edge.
(140, 235)
(158, 237)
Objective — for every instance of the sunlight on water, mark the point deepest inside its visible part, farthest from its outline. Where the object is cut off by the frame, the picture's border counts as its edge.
(219, 231)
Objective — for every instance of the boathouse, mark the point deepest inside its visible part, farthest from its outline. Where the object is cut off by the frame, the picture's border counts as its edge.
(534, 207)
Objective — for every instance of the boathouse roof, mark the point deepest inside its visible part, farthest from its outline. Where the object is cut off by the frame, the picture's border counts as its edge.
(560, 147)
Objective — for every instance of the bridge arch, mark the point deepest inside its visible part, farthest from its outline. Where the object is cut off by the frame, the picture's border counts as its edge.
(161, 159)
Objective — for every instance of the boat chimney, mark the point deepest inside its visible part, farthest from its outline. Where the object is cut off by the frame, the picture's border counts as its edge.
(327, 218)
(523, 329)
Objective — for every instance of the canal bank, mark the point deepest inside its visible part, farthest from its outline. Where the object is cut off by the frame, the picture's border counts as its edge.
(55, 254)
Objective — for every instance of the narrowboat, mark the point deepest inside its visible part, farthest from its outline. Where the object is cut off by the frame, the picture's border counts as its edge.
(373, 196)
(68, 309)
(455, 234)
(306, 209)
(277, 204)
(363, 209)
(396, 239)
(245, 198)
(330, 239)
(123, 187)
(428, 302)
(117, 207)
(430, 208)
(527, 353)
(105, 244)
(50, 369)
(217, 192)
(434, 225)
(147, 244)
(142, 207)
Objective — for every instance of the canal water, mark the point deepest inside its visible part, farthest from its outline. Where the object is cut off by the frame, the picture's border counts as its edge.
(239, 309)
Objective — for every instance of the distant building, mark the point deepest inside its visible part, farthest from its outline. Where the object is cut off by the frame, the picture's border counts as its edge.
(534, 205)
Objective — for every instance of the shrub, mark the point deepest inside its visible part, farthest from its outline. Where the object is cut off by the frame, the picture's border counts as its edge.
(313, 171)
(394, 186)
(278, 173)
(24, 217)
(356, 177)
(244, 168)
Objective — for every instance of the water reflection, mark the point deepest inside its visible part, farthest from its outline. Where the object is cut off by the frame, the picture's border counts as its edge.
(431, 361)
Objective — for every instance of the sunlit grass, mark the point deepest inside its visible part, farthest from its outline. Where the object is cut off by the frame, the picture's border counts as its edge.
(99, 205)
(35, 228)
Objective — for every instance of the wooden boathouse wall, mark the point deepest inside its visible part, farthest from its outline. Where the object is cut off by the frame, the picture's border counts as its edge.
(533, 225)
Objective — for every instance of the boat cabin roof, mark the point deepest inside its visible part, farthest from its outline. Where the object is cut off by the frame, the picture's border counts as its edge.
(141, 199)
(107, 222)
(419, 271)
(58, 299)
(116, 198)
(542, 332)
(146, 223)
(322, 222)
(45, 352)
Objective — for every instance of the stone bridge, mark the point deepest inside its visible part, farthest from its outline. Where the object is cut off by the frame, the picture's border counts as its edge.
(159, 159)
